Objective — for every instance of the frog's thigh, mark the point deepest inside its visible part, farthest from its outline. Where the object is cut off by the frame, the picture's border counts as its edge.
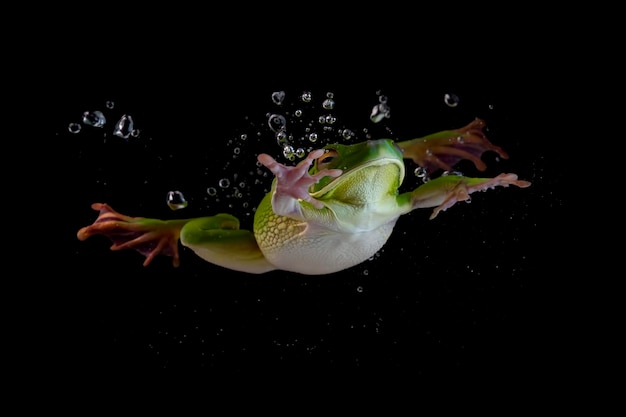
(218, 239)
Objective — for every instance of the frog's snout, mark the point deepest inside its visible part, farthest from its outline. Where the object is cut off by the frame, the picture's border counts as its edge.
(384, 146)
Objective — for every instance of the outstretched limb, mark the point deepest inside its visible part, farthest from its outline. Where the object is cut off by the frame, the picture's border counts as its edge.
(216, 239)
(293, 182)
(444, 149)
(443, 192)
(150, 237)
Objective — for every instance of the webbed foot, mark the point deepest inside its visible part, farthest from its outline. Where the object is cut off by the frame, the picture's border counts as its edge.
(444, 149)
(150, 237)
(292, 182)
(445, 191)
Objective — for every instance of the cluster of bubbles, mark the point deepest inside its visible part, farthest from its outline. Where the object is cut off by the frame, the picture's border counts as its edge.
(123, 128)
(314, 127)
(317, 122)
(381, 110)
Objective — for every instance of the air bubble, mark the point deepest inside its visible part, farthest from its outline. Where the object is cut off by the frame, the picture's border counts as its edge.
(176, 200)
(124, 127)
(328, 104)
(451, 100)
(94, 118)
(278, 97)
(74, 127)
(277, 122)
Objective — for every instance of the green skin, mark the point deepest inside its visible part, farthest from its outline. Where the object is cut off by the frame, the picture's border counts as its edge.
(332, 211)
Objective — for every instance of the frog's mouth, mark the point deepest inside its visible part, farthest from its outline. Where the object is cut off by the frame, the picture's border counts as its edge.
(361, 183)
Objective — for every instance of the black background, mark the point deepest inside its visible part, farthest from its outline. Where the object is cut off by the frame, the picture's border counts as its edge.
(467, 293)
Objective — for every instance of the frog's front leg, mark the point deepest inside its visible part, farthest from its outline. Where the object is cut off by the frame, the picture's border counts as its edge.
(442, 150)
(293, 182)
(443, 192)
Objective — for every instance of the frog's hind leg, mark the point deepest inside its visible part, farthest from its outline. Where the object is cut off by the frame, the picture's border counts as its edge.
(219, 240)
(444, 149)
(150, 237)
(216, 239)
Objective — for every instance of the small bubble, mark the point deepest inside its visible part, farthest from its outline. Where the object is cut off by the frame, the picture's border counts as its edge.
(277, 122)
(176, 200)
(124, 127)
(359, 289)
(313, 137)
(380, 112)
(110, 104)
(288, 152)
(300, 152)
(94, 118)
(451, 100)
(420, 172)
(347, 134)
(281, 137)
(73, 127)
(330, 119)
(211, 191)
(243, 136)
(328, 104)
(224, 183)
(306, 96)
(298, 113)
(278, 97)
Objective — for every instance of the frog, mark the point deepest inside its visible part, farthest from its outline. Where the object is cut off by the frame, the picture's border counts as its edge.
(331, 211)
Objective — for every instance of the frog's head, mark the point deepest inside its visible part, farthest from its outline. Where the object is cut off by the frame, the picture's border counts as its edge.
(371, 169)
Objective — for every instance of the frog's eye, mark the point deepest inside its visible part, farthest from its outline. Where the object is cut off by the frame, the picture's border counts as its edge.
(326, 159)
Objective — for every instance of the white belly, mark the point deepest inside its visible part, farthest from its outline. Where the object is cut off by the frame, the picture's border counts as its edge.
(325, 252)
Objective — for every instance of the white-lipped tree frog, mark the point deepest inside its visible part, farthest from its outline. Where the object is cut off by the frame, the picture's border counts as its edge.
(322, 218)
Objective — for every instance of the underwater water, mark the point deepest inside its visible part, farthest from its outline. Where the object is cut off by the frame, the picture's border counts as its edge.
(457, 294)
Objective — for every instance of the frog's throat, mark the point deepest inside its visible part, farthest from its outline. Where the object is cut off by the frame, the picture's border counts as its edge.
(345, 176)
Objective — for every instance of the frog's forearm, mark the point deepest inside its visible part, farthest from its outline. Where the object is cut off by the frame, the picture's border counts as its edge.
(291, 187)
(443, 192)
